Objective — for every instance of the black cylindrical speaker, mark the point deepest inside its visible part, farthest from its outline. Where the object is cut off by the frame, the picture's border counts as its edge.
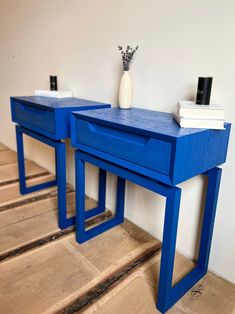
(204, 90)
(53, 82)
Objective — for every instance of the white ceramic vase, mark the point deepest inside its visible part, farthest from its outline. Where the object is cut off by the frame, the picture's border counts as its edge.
(125, 91)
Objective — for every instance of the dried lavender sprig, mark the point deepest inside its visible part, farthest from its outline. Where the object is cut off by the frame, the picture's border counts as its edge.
(127, 56)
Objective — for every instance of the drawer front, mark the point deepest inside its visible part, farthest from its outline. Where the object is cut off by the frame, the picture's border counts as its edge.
(35, 118)
(142, 150)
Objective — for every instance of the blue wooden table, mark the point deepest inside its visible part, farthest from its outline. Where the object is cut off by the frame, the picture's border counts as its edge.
(148, 148)
(48, 120)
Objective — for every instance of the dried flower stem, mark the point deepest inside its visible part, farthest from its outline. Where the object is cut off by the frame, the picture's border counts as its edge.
(127, 56)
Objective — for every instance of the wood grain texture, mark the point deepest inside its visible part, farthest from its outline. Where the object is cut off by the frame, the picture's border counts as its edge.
(149, 142)
(206, 150)
(49, 116)
(44, 270)
(110, 282)
(38, 259)
(50, 103)
(7, 157)
(11, 197)
(137, 293)
(211, 295)
(28, 223)
(9, 173)
(146, 122)
(62, 271)
(45, 239)
(136, 148)
(133, 298)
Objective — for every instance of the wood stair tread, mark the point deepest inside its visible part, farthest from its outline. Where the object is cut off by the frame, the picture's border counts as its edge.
(62, 271)
(44, 270)
(137, 293)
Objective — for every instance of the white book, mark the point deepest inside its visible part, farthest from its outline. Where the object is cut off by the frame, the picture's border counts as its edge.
(189, 109)
(54, 93)
(199, 123)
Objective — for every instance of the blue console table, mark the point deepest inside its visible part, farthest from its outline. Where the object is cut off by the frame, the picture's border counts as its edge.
(148, 148)
(48, 120)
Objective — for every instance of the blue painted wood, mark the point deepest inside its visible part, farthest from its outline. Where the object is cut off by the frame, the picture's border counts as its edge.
(60, 154)
(149, 152)
(129, 165)
(152, 140)
(198, 153)
(48, 120)
(52, 104)
(167, 294)
(49, 116)
(168, 248)
(101, 197)
(102, 189)
(21, 165)
(82, 235)
(150, 184)
(150, 123)
(113, 139)
(214, 177)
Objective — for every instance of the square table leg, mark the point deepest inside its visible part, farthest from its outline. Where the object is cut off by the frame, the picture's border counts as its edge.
(60, 153)
(65, 222)
(21, 166)
(82, 234)
(168, 295)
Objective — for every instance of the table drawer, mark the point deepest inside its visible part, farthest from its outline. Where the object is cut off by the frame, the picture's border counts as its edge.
(142, 150)
(32, 117)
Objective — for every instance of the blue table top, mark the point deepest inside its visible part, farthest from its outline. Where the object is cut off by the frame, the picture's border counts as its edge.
(58, 103)
(142, 121)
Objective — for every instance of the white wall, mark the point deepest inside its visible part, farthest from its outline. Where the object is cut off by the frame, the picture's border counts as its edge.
(77, 40)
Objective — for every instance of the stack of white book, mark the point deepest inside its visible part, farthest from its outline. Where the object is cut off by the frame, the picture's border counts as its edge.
(54, 93)
(190, 115)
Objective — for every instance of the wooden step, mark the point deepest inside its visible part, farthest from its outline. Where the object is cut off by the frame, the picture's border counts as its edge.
(132, 298)
(3, 147)
(9, 182)
(9, 172)
(27, 224)
(44, 270)
(28, 221)
(137, 293)
(10, 194)
(9, 167)
(49, 278)
(7, 157)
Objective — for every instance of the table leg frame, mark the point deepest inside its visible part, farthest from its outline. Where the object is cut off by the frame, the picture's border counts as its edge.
(21, 164)
(60, 154)
(168, 294)
(82, 235)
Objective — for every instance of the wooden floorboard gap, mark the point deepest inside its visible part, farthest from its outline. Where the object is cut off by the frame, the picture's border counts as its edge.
(33, 199)
(44, 270)
(104, 287)
(53, 237)
(27, 178)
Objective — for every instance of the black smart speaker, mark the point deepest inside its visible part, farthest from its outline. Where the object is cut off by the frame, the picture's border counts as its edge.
(53, 82)
(204, 90)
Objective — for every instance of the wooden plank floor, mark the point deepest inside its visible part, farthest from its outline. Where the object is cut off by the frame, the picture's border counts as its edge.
(137, 293)
(3, 147)
(44, 270)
